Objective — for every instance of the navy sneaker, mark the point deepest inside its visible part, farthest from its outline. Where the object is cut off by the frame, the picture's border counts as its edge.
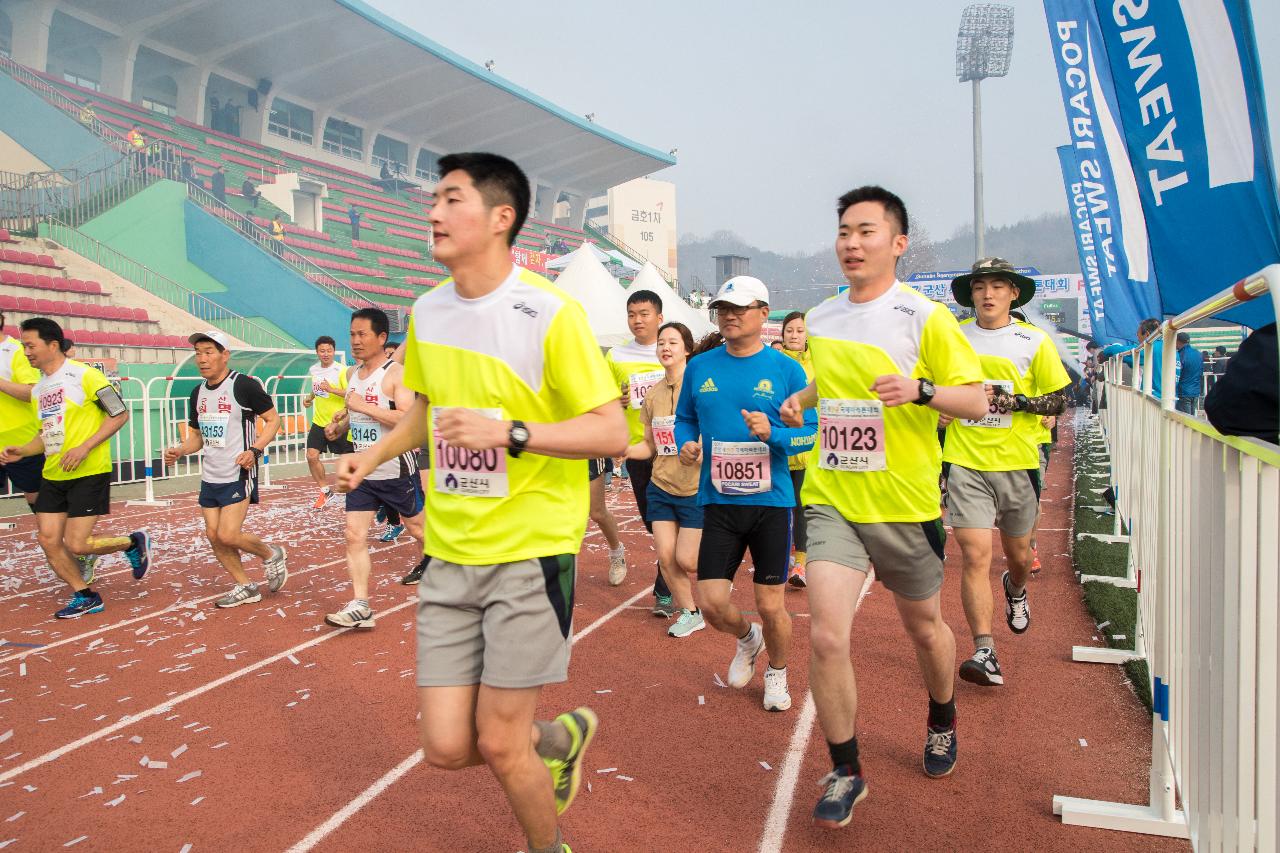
(415, 574)
(81, 603)
(139, 553)
(835, 808)
(940, 751)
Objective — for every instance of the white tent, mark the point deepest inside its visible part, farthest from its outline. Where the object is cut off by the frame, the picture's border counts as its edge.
(674, 309)
(588, 248)
(586, 280)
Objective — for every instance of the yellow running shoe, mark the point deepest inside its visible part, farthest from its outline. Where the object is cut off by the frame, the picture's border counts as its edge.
(566, 773)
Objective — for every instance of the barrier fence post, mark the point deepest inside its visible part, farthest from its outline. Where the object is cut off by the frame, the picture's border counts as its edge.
(149, 498)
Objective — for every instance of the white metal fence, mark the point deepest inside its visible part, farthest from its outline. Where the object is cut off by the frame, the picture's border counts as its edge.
(1203, 512)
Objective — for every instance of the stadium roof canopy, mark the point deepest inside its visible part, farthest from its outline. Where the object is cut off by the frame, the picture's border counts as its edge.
(345, 58)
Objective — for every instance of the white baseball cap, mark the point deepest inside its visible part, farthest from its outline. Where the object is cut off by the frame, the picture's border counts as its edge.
(213, 336)
(742, 290)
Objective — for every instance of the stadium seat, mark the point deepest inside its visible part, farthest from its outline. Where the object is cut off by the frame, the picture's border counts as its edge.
(28, 258)
(11, 256)
(74, 285)
(114, 338)
(46, 261)
(90, 337)
(27, 304)
(8, 303)
(140, 315)
(4, 236)
(9, 277)
(46, 306)
(93, 288)
(45, 282)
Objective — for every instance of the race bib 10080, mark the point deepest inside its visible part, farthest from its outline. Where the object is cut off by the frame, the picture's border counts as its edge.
(995, 418)
(471, 473)
(664, 435)
(851, 435)
(641, 383)
(740, 467)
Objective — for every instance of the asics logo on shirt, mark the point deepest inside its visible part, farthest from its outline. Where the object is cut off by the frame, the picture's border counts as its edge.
(525, 309)
(1022, 335)
(911, 312)
(708, 387)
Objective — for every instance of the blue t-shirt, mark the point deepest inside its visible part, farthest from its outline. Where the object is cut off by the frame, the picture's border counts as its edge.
(1157, 359)
(717, 387)
(1191, 363)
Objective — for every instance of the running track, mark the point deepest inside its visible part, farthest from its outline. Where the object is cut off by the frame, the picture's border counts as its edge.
(263, 729)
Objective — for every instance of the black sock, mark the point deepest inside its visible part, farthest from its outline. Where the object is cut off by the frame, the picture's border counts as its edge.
(88, 592)
(844, 756)
(942, 715)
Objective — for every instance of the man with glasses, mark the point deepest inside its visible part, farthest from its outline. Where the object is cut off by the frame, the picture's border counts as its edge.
(728, 420)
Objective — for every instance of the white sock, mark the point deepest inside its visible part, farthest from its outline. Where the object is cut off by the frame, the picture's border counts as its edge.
(616, 552)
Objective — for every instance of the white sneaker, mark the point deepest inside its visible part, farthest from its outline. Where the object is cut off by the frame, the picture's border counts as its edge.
(276, 570)
(776, 697)
(352, 616)
(617, 567)
(743, 666)
(246, 594)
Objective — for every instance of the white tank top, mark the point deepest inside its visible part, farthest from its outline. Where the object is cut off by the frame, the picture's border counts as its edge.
(366, 430)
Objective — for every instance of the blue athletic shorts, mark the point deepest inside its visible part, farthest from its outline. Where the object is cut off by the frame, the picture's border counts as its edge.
(25, 474)
(403, 494)
(214, 495)
(664, 506)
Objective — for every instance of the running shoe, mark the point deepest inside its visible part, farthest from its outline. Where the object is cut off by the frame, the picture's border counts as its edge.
(240, 594)
(354, 615)
(322, 499)
(88, 567)
(277, 572)
(796, 578)
(664, 606)
(842, 793)
(80, 604)
(393, 532)
(566, 773)
(415, 574)
(776, 697)
(940, 751)
(139, 553)
(743, 666)
(689, 622)
(617, 567)
(982, 668)
(1035, 562)
(380, 518)
(1017, 611)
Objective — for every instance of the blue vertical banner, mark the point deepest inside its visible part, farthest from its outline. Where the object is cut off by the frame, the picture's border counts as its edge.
(1082, 225)
(1125, 270)
(1190, 100)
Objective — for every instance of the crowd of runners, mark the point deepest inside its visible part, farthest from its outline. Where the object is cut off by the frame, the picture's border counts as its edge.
(486, 436)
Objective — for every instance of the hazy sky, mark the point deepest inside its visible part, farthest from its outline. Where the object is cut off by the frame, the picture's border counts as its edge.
(778, 108)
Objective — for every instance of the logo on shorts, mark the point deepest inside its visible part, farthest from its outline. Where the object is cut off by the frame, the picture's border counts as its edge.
(235, 496)
(764, 388)
(708, 387)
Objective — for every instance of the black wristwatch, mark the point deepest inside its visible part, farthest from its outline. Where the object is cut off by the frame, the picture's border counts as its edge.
(518, 435)
(926, 393)
(1019, 402)
(256, 451)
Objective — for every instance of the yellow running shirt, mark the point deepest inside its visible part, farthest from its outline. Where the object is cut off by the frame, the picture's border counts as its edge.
(524, 352)
(17, 422)
(327, 405)
(1020, 359)
(66, 404)
(636, 366)
(875, 463)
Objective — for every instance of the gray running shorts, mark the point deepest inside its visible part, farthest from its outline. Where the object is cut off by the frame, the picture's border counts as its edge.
(907, 554)
(1009, 500)
(506, 625)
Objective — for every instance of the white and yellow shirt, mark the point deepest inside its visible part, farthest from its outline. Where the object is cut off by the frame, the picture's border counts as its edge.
(327, 404)
(523, 352)
(1017, 359)
(17, 423)
(66, 405)
(637, 367)
(875, 463)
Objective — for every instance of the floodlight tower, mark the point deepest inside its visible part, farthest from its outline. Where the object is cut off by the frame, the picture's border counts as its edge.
(984, 47)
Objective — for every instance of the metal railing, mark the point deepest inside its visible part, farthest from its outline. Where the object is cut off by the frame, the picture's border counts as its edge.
(167, 289)
(631, 253)
(1203, 512)
(68, 105)
(277, 249)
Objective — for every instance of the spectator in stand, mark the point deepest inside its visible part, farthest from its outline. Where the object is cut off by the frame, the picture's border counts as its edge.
(138, 144)
(277, 234)
(385, 172)
(187, 171)
(249, 192)
(1220, 360)
(354, 217)
(215, 114)
(218, 184)
(87, 115)
(1245, 400)
(1191, 375)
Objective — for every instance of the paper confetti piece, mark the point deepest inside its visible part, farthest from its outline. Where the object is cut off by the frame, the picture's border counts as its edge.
(95, 644)
(219, 745)
(1083, 742)
(75, 841)
(1119, 637)
(604, 691)
(719, 683)
(766, 765)
(135, 739)
(158, 765)
(1104, 624)
(144, 629)
(280, 613)
(4, 737)
(22, 669)
(293, 660)
(186, 848)
(178, 751)
(117, 801)
(608, 770)
(13, 817)
(144, 761)
(625, 778)
(188, 777)
(97, 790)
(702, 700)
(197, 801)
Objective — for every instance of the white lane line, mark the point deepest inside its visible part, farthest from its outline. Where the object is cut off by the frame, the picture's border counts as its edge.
(396, 773)
(181, 605)
(784, 792)
(166, 706)
(118, 514)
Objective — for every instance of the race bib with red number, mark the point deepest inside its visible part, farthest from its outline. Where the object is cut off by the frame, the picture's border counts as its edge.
(641, 383)
(851, 435)
(471, 473)
(995, 418)
(664, 435)
(740, 467)
(52, 427)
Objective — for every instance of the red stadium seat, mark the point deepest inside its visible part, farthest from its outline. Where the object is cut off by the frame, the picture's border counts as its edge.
(46, 306)
(28, 258)
(11, 256)
(27, 304)
(88, 337)
(8, 303)
(27, 279)
(74, 285)
(4, 235)
(8, 277)
(134, 339)
(93, 287)
(46, 261)
(113, 338)
(140, 315)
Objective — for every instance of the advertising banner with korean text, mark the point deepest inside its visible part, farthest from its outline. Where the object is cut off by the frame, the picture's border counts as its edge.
(529, 259)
